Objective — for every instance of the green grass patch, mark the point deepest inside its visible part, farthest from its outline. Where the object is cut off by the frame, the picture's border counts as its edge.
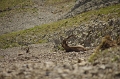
(96, 55)
(38, 33)
(112, 53)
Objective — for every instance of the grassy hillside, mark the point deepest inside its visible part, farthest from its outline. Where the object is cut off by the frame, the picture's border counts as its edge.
(13, 6)
(37, 34)
(4, 4)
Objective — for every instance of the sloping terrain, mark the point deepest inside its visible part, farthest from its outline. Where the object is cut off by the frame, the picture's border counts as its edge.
(87, 5)
(24, 14)
(95, 21)
(43, 62)
(36, 53)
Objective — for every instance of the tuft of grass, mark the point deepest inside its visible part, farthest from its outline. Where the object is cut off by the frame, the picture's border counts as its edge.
(115, 58)
(97, 55)
(94, 56)
(1, 57)
(112, 53)
(38, 33)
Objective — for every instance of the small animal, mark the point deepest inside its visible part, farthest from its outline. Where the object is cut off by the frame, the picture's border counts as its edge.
(68, 48)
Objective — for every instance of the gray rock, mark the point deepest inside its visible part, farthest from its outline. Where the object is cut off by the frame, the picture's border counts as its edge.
(86, 5)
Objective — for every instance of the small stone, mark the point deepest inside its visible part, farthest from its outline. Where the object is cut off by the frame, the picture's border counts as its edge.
(47, 73)
(10, 71)
(59, 70)
(49, 64)
(87, 68)
(117, 74)
(102, 67)
(79, 60)
(20, 54)
(82, 63)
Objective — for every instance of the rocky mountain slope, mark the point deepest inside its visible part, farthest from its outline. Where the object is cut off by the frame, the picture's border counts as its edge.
(48, 60)
(34, 13)
(87, 5)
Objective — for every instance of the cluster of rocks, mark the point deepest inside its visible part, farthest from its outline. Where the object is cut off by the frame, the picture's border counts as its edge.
(42, 61)
(89, 34)
(61, 65)
(87, 5)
